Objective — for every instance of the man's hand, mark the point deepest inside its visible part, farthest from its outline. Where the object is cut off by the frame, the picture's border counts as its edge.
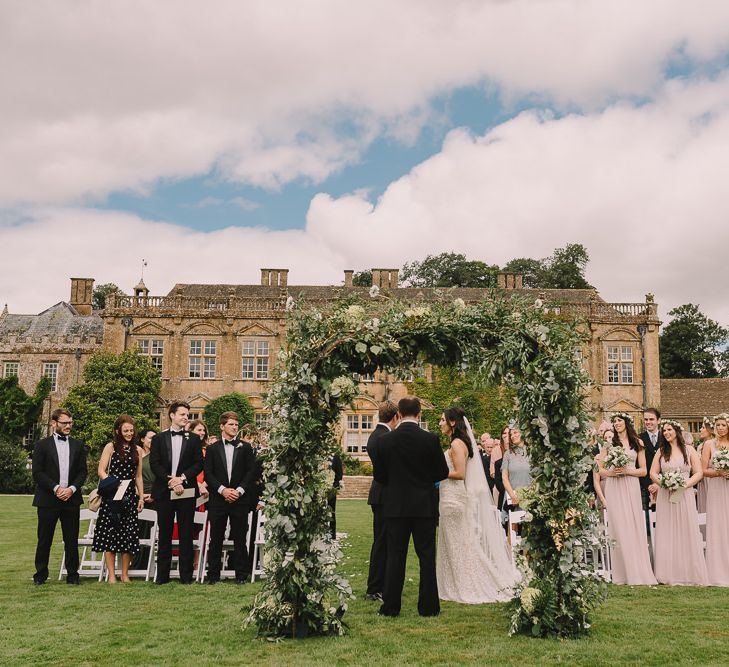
(202, 488)
(175, 481)
(178, 489)
(63, 493)
(230, 495)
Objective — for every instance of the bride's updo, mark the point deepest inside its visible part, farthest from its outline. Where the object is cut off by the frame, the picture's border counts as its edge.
(455, 416)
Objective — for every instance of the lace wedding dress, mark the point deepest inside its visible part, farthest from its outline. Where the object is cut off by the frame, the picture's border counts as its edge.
(473, 560)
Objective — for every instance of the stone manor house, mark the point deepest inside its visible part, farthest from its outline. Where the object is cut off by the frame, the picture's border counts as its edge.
(207, 340)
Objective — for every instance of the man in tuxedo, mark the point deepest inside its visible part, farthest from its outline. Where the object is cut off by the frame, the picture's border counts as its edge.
(230, 468)
(486, 445)
(337, 467)
(176, 460)
(651, 417)
(409, 464)
(388, 420)
(59, 471)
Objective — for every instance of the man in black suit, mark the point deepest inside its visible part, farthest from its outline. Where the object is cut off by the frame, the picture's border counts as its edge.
(337, 468)
(410, 462)
(651, 417)
(230, 467)
(176, 460)
(485, 446)
(388, 420)
(59, 471)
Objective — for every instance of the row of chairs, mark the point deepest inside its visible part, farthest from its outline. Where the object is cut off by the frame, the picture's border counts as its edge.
(92, 564)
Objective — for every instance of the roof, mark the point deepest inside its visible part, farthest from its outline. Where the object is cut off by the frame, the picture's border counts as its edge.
(61, 321)
(700, 397)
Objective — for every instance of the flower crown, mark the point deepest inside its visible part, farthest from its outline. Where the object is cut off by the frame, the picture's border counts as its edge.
(709, 422)
(670, 422)
(621, 415)
(723, 415)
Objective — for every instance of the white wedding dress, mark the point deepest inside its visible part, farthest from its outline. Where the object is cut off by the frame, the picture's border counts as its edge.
(473, 559)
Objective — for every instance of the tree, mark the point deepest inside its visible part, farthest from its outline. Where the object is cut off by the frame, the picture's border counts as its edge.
(14, 474)
(101, 292)
(449, 270)
(233, 402)
(564, 269)
(362, 279)
(114, 384)
(693, 346)
(530, 269)
(18, 411)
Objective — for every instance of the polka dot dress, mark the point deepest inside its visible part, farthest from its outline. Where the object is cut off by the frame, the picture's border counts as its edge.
(119, 535)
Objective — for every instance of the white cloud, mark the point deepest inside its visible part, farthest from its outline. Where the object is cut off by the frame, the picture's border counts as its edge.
(98, 101)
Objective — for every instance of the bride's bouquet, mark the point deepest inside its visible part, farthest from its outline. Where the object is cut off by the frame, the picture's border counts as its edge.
(673, 481)
(720, 460)
(616, 457)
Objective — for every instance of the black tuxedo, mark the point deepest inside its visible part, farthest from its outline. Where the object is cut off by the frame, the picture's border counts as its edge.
(336, 466)
(650, 452)
(243, 471)
(486, 462)
(190, 464)
(254, 497)
(47, 474)
(376, 499)
(410, 462)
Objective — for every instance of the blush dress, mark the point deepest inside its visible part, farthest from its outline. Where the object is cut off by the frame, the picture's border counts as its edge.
(631, 563)
(717, 526)
(679, 551)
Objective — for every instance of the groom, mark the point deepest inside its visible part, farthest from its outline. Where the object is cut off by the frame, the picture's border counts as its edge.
(409, 464)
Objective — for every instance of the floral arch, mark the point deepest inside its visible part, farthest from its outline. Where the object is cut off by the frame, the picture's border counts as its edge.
(518, 343)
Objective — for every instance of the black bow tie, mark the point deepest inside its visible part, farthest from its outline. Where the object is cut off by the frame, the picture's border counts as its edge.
(229, 442)
(61, 437)
(177, 432)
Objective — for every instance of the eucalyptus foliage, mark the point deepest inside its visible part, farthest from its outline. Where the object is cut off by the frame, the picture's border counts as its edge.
(510, 342)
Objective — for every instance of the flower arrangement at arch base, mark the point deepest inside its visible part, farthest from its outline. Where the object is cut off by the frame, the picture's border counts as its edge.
(510, 341)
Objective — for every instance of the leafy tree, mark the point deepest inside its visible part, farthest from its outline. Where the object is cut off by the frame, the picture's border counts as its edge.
(101, 292)
(233, 402)
(530, 269)
(564, 269)
(487, 408)
(114, 384)
(693, 346)
(449, 270)
(362, 279)
(18, 411)
(14, 474)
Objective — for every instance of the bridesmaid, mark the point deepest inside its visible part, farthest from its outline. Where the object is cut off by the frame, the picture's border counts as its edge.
(626, 520)
(679, 552)
(706, 434)
(717, 506)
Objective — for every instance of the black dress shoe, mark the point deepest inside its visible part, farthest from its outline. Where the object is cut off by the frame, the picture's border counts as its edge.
(241, 580)
(212, 582)
(161, 582)
(374, 597)
(186, 582)
(73, 580)
(38, 582)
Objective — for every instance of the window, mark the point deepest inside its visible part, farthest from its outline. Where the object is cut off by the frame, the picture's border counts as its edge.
(262, 420)
(50, 370)
(363, 377)
(202, 359)
(620, 364)
(694, 425)
(423, 424)
(10, 369)
(358, 431)
(154, 349)
(158, 418)
(195, 415)
(255, 360)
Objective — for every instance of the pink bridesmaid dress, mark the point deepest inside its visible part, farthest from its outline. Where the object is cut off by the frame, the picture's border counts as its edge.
(626, 526)
(717, 526)
(679, 552)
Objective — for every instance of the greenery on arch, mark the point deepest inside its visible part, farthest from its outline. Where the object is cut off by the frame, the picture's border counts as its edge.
(509, 342)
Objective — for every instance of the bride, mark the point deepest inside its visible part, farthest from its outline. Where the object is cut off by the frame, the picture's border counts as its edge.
(473, 561)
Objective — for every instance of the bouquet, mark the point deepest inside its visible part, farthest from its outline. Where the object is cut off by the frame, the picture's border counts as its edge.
(616, 457)
(674, 482)
(720, 460)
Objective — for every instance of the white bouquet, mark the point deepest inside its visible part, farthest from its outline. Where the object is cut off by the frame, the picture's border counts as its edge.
(672, 480)
(720, 460)
(616, 457)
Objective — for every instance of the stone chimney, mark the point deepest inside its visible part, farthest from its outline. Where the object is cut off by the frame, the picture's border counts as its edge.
(510, 280)
(348, 274)
(82, 295)
(275, 277)
(385, 278)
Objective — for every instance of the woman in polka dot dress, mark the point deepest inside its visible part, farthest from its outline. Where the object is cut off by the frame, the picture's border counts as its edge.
(117, 528)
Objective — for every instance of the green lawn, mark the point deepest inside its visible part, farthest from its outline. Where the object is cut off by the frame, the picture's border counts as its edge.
(197, 625)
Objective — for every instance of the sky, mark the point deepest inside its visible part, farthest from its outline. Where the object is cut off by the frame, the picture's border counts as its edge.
(213, 139)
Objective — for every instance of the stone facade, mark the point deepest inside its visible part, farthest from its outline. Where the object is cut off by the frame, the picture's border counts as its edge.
(690, 400)
(212, 339)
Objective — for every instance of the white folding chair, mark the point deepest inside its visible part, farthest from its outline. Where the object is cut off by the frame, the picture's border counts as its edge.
(228, 546)
(150, 517)
(514, 518)
(91, 564)
(702, 529)
(257, 569)
(652, 531)
(198, 545)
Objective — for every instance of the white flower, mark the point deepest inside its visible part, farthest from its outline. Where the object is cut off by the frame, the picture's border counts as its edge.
(374, 291)
(342, 385)
(459, 303)
(355, 312)
(528, 597)
(418, 311)
(538, 303)
(290, 303)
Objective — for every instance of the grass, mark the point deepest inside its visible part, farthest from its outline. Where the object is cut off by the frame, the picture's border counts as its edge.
(142, 624)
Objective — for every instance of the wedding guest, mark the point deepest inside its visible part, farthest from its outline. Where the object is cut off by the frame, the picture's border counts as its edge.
(650, 444)
(200, 429)
(515, 468)
(705, 434)
(144, 442)
(388, 420)
(486, 447)
(229, 469)
(117, 528)
(336, 466)
(59, 471)
(717, 505)
(679, 556)
(176, 460)
(501, 446)
(626, 521)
